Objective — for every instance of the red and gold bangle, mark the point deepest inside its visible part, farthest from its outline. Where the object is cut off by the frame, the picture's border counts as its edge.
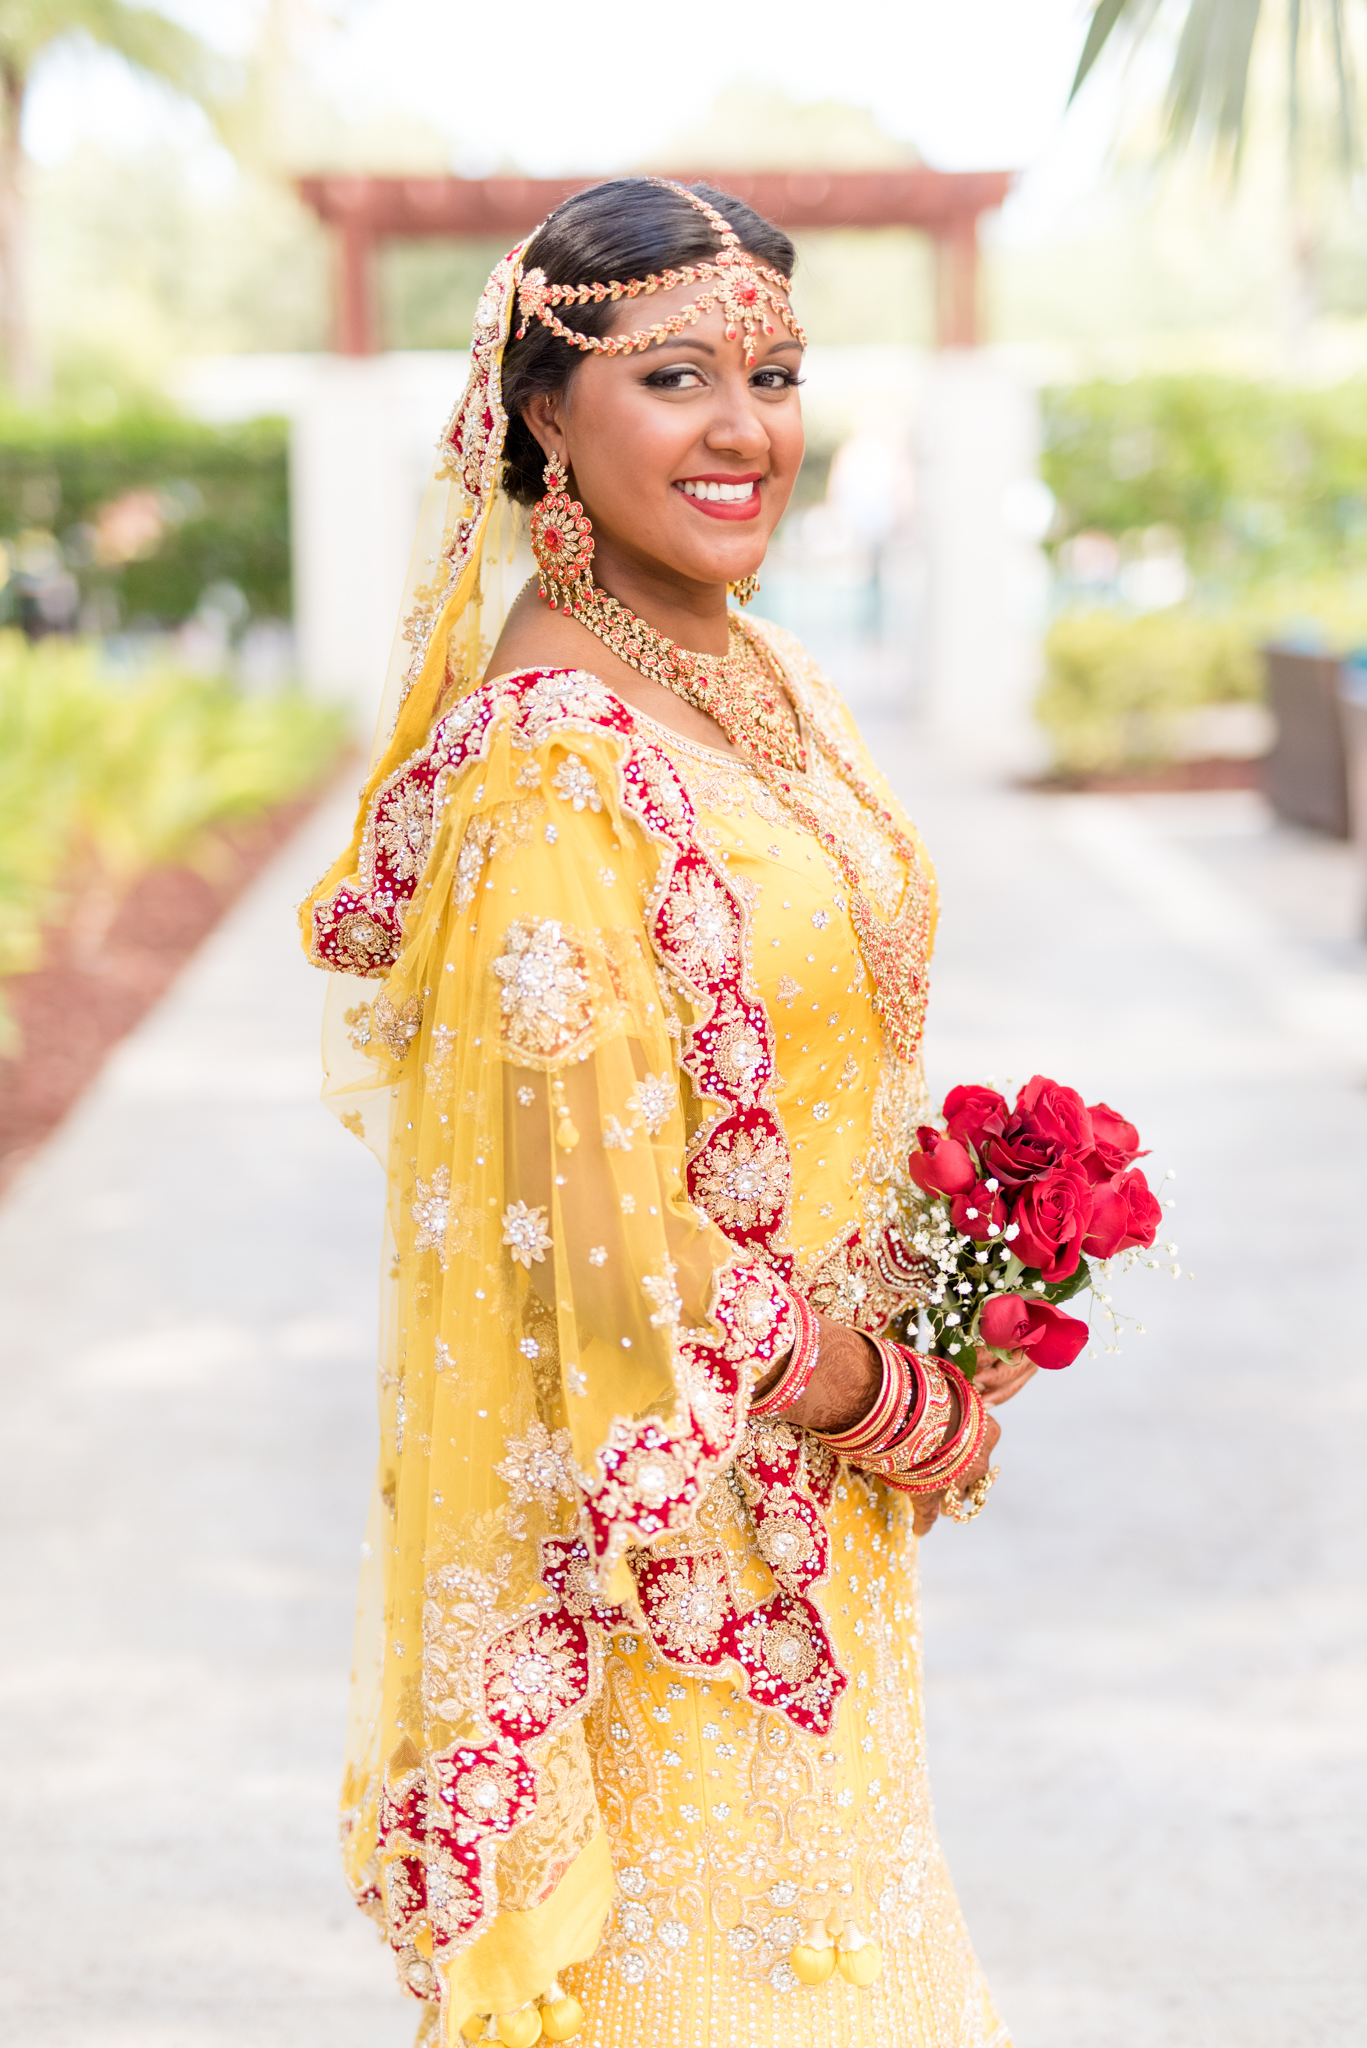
(897, 1462)
(943, 1468)
(925, 1434)
(887, 1418)
(792, 1382)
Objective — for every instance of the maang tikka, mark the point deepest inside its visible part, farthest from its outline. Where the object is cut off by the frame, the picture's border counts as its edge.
(562, 540)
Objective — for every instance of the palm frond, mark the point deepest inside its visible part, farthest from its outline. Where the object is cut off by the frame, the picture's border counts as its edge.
(144, 37)
(1347, 85)
(1132, 17)
(1209, 84)
(1208, 87)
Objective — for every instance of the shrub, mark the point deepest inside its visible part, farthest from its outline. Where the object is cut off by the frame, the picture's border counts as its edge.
(1117, 684)
(148, 509)
(102, 780)
(1256, 479)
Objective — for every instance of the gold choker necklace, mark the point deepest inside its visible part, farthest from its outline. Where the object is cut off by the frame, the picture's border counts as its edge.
(736, 689)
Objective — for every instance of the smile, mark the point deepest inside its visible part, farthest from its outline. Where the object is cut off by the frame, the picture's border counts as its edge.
(722, 497)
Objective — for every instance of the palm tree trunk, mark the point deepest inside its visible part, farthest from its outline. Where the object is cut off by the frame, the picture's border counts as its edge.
(19, 356)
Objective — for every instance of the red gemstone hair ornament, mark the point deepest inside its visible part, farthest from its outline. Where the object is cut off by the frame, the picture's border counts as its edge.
(750, 295)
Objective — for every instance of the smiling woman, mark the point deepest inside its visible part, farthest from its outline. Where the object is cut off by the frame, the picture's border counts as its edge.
(629, 955)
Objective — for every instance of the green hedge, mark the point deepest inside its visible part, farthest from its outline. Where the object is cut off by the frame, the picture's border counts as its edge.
(1257, 479)
(101, 780)
(221, 497)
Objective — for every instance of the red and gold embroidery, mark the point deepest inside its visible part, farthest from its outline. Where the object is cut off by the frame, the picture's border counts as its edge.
(440, 1828)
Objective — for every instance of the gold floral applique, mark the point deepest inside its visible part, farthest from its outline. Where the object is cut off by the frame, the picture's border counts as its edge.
(525, 1233)
(404, 829)
(537, 1473)
(574, 782)
(545, 996)
(743, 1178)
(702, 924)
(396, 1027)
(654, 1100)
(532, 1672)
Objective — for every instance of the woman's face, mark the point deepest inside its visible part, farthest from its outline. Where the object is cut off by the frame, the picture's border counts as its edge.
(684, 458)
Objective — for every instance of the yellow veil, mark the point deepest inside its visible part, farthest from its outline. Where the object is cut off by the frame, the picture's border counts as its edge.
(539, 1018)
(455, 596)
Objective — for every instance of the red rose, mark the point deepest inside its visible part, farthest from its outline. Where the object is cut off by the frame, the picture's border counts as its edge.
(1012, 1322)
(972, 1115)
(1018, 1157)
(973, 1212)
(1146, 1211)
(1057, 1114)
(1125, 1214)
(1052, 1216)
(1049, 1126)
(942, 1166)
(1110, 1220)
(1116, 1146)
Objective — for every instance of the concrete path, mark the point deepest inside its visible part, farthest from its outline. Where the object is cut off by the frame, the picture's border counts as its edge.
(1146, 1673)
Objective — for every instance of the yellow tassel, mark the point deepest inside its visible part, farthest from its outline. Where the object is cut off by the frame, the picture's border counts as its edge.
(813, 1960)
(422, 1939)
(860, 1960)
(561, 2017)
(473, 2028)
(566, 1136)
(521, 2028)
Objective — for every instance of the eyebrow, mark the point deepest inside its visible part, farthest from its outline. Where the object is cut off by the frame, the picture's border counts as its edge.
(705, 348)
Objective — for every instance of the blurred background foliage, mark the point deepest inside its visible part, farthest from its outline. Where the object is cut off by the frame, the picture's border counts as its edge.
(127, 521)
(1256, 479)
(1197, 518)
(103, 778)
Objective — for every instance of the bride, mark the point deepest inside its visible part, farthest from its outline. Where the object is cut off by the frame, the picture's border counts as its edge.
(629, 971)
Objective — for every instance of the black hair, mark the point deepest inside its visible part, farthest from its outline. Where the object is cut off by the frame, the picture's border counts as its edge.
(626, 228)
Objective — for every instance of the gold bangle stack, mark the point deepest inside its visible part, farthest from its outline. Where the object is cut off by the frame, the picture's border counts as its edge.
(901, 1438)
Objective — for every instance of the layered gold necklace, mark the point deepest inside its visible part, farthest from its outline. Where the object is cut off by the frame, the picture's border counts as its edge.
(737, 690)
(740, 692)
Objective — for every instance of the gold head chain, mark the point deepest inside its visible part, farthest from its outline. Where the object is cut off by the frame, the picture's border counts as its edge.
(750, 295)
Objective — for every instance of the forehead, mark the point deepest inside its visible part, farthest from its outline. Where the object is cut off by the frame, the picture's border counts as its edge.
(635, 316)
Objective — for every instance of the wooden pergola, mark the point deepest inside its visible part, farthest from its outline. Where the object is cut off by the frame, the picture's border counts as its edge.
(945, 205)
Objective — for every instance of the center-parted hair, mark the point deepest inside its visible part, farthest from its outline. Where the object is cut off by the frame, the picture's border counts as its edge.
(629, 227)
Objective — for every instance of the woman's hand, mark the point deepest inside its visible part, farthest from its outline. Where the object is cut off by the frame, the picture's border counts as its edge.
(1000, 1379)
(927, 1508)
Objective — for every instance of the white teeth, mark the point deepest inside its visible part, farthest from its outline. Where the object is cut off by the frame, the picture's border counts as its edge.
(719, 494)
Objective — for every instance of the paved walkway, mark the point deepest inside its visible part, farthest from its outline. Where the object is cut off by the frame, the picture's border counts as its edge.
(1146, 1674)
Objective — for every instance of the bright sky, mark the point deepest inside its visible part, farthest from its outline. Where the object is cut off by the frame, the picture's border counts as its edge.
(972, 83)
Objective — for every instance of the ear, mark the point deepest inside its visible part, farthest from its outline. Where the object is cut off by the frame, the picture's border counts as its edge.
(542, 418)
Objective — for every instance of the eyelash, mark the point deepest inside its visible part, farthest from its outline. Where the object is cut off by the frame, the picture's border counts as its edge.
(661, 380)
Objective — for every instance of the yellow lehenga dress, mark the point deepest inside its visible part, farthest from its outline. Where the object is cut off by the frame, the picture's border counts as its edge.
(637, 1691)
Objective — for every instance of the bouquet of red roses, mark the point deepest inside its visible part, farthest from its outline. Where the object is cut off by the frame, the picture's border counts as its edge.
(1022, 1206)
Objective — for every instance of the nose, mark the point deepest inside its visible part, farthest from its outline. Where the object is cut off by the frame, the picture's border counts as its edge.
(737, 426)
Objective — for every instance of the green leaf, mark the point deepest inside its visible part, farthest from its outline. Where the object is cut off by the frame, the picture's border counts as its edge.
(1064, 1290)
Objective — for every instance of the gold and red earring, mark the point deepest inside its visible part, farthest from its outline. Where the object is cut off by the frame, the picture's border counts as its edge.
(744, 588)
(562, 540)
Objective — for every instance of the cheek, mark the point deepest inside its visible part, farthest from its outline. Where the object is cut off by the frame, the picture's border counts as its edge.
(787, 439)
(629, 453)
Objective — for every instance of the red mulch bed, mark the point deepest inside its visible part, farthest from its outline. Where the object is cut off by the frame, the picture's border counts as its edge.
(71, 1012)
(1217, 774)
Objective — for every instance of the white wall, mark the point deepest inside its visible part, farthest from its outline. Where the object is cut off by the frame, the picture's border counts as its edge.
(363, 435)
(982, 513)
(360, 456)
